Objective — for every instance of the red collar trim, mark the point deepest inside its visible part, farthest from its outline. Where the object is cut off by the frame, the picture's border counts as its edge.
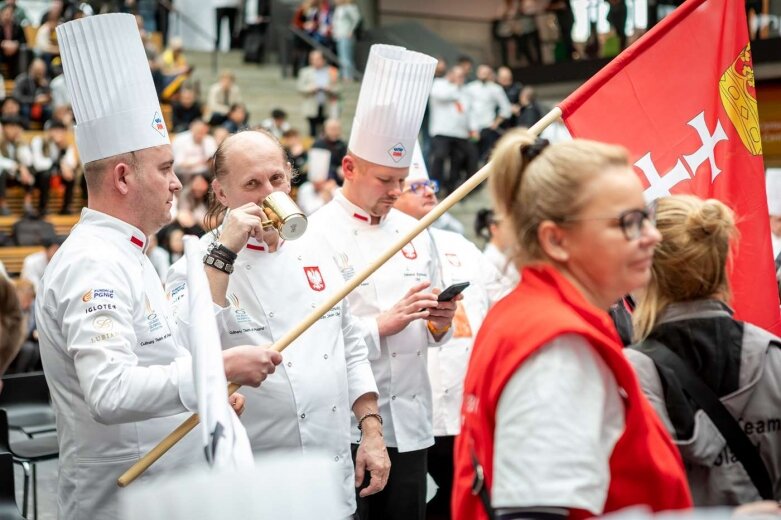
(360, 217)
(256, 247)
(137, 241)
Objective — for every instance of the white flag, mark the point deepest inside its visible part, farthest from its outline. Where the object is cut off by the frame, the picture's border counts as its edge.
(224, 438)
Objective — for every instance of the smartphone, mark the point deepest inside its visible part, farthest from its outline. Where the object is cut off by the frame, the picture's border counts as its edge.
(452, 291)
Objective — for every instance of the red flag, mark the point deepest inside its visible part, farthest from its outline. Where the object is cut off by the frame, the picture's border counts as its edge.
(682, 100)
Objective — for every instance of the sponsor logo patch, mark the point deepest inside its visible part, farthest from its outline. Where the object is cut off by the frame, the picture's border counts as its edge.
(397, 152)
(158, 124)
(94, 294)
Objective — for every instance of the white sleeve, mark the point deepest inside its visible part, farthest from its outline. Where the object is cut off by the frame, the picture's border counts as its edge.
(116, 389)
(70, 157)
(360, 378)
(505, 110)
(443, 90)
(40, 161)
(24, 155)
(557, 422)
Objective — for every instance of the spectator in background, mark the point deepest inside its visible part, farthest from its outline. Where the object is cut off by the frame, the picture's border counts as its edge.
(13, 40)
(60, 95)
(185, 109)
(46, 46)
(166, 86)
(222, 95)
(528, 110)
(498, 247)
(512, 89)
(304, 19)
(617, 16)
(11, 325)
(193, 205)
(35, 264)
(565, 19)
(225, 9)
(488, 109)
(20, 16)
(33, 92)
(324, 34)
(296, 154)
(277, 124)
(440, 71)
(345, 22)
(54, 156)
(173, 60)
(333, 142)
(319, 84)
(220, 133)
(29, 356)
(236, 119)
(451, 130)
(15, 163)
(193, 150)
(10, 107)
(467, 65)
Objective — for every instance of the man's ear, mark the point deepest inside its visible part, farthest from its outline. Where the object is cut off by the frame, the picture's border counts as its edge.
(219, 192)
(553, 241)
(349, 165)
(120, 177)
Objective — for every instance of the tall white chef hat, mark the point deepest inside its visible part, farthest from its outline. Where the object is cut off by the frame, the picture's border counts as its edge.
(114, 99)
(417, 166)
(773, 190)
(393, 97)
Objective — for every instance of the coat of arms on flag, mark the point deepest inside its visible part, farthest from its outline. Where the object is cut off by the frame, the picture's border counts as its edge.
(315, 278)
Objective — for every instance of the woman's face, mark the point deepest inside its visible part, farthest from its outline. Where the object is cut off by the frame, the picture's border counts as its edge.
(597, 255)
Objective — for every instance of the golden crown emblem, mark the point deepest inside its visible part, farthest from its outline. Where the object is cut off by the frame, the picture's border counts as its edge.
(738, 95)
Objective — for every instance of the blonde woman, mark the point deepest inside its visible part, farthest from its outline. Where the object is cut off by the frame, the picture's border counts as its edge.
(685, 310)
(554, 422)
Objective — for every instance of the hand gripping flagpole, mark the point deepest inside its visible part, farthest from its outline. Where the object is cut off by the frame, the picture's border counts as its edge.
(462, 191)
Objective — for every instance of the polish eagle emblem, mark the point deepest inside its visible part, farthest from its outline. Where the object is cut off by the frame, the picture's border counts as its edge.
(314, 278)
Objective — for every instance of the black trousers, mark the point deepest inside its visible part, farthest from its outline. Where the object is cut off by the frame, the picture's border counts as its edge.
(231, 13)
(441, 468)
(462, 155)
(316, 123)
(404, 497)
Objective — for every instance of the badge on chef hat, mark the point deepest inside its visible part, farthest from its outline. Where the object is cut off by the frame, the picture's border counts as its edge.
(110, 84)
(417, 167)
(394, 93)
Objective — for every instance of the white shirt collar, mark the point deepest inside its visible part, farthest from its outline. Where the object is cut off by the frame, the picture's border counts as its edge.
(126, 235)
(356, 213)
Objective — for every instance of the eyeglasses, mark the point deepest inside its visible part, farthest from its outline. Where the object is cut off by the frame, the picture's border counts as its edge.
(631, 221)
(419, 187)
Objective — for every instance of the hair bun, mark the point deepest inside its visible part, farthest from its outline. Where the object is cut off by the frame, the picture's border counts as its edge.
(712, 220)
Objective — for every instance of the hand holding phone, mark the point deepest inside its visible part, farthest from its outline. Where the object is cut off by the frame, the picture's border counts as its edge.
(452, 291)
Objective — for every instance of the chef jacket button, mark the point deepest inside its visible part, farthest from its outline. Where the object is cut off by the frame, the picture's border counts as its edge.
(270, 314)
(355, 232)
(393, 398)
(333, 409)
(299, 257)
(325, 356)
(247, 267)
(418, 352)
(290, 363)
(336, 458)
(313, 305)
(393, 355)
(446, 390)
(303, 416)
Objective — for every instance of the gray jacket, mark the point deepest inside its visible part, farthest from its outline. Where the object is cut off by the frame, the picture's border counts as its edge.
(742, 364)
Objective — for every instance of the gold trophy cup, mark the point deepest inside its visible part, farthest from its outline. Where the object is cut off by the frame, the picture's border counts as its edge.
(284, 215)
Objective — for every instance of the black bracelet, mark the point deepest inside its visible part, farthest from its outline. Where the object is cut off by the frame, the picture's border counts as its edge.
(366, 416)
(219, 250)
(218, 263)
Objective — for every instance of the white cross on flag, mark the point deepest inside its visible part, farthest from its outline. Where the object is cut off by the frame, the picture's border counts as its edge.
(224, 438)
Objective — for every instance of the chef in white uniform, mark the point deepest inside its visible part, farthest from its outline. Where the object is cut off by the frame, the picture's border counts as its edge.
(120, 378)
(326, 378)
(397, 305)
(457, 260)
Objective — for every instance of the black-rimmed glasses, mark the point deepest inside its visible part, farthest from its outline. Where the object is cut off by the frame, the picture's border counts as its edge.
(631, 221)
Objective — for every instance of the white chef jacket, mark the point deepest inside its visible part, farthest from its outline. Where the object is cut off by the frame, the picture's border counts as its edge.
(487, 101)
(120, 379)
(459, 260)
(503, 264)
(449, 110)
(306, 404)
(398, 361)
